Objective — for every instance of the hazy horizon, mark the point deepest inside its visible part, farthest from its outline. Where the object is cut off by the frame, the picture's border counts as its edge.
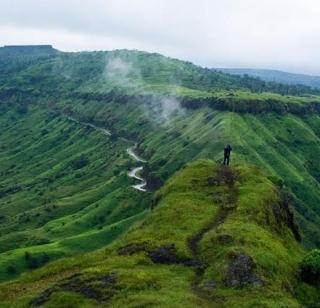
(280, 35)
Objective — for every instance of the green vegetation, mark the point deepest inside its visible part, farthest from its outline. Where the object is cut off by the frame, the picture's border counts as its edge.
(59, 195)
(65, 193)
(222, 217)
(13, 58)
(310, 267)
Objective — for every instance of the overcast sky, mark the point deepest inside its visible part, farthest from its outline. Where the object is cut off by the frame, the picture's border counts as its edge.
(279, 34)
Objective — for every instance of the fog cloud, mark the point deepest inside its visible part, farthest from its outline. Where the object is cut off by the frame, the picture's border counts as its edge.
(117, 71)
(159, 109)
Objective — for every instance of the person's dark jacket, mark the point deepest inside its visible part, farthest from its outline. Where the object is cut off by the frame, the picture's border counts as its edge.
(227, 151)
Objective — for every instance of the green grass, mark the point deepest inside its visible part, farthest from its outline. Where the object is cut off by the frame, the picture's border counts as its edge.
(55, 205)
(64, 190)
(179, 214)
(48, 206)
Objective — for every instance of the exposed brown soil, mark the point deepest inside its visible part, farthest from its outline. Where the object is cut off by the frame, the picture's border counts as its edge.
(228, 201)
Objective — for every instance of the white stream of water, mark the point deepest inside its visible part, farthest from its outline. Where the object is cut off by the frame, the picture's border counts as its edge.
(134, 173)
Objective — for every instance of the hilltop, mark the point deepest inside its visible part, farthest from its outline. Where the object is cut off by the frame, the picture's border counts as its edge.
(16, 57)
(232, 244)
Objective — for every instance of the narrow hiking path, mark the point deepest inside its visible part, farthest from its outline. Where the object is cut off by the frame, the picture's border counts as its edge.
(97, 128)
(228, 204)
(133, 173)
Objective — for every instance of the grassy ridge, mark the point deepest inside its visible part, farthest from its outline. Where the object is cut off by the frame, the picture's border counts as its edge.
(64, 188)
(138, 73)
(285, 146)
(96, 206)
(156, 263)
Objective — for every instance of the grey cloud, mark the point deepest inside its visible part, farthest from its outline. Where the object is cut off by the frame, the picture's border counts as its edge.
(281, 34)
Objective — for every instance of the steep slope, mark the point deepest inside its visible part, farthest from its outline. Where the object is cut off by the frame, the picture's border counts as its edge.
(64, 184)
(216, 237)
(63, 189)
(286, 146)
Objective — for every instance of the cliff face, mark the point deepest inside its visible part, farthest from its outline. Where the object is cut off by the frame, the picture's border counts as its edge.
(27, 49)
(16, 57)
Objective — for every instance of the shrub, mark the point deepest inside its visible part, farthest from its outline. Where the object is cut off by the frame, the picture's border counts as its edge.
(27, 255)
(310, 267)
(44, 132)
(11, 270)
(33, 263)
(22, 108)
(80, 162)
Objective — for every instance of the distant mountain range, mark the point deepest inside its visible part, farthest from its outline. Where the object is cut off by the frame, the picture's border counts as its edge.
(275, 76)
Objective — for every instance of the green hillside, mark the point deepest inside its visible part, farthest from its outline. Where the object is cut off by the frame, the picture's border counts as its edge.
(15, 58)
(65, 189)
(231, 245)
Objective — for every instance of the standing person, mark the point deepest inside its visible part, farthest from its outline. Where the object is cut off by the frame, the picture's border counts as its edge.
(227, 153)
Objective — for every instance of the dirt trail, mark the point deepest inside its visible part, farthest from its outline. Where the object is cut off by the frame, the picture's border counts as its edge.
(225, 176)
(99, 129)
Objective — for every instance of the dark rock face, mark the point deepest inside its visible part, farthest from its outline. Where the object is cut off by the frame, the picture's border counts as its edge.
(43, 297)
(153, 182)
(99, 288)
(283, 214)
(166, 255)
(240, 272)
